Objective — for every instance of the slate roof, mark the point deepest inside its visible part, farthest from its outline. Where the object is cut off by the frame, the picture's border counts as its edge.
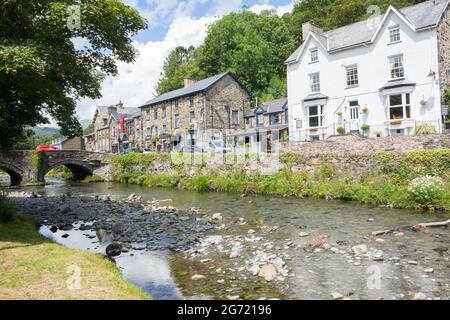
(274, 106)
(422, 15)
(396, 84)
(199, 86)
(315, 96)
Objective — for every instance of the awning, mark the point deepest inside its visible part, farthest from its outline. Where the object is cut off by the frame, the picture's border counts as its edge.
(397, 87)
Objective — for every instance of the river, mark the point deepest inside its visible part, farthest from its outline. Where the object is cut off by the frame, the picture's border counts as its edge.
(312, 238)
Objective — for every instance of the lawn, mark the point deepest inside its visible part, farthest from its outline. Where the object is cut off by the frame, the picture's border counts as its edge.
(33, 267)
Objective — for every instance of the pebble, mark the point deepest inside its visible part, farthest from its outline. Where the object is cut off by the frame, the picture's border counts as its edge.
(428, 270)
(413, 262)
(419, 296)
(379, 240)
(196, 277)
(303, 234)
(337, 296)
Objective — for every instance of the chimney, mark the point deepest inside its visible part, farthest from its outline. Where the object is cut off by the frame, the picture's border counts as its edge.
(309, 27)
(188, 82)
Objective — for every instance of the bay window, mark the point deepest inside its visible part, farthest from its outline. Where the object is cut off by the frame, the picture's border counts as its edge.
(400, 106)
(315, 116)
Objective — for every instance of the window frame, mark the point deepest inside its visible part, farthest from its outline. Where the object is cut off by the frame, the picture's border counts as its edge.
(405, 106)
(352, 76)
(259, 124)
(315, 86)
(393, 68)
(177, 122)
(192, 118)
(395, 35)
(319, 115)
(314, 55)
(274, 115)
(233, 113)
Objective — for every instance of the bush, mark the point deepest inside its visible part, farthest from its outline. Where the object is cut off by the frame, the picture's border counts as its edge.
(426, 190)
(423, 129)
(365, 127)
(8, 211)
(340, 130)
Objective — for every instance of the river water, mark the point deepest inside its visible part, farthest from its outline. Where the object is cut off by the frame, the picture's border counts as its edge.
(412, 262)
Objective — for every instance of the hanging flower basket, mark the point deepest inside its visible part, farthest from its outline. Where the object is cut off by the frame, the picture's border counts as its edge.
(423, 102)
(339, 114)
(365, 109)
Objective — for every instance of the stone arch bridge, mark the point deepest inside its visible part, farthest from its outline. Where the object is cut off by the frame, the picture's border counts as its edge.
(32, 166)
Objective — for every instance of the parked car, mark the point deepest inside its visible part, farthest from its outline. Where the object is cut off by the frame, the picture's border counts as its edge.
(130, 150)
(189, 149)
(46, 148)
(215, 146)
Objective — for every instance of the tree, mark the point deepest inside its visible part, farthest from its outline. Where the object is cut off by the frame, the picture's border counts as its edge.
(331, 14)
(253, 47)
(179, 65)
(42, 73)
(89, 129)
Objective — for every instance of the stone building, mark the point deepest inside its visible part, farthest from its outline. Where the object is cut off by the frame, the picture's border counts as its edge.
(202, 110)
(63, 143)
(264, 124)
(107, 134)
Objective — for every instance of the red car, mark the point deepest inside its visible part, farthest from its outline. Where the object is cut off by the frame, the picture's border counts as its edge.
(46, 148)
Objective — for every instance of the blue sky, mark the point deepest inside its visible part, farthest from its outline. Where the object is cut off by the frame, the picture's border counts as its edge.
(172, 23)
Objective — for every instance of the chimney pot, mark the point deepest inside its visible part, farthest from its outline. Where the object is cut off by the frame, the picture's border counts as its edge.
(188, 82)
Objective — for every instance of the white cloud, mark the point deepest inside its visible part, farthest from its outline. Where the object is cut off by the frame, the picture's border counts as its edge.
(280, 10)
(136, 82)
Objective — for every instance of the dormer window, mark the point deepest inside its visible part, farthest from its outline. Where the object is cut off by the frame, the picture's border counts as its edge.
(394, 34)
(314, 55)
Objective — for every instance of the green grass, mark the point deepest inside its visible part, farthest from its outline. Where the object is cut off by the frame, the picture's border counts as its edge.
(33, 267)
(384, 184)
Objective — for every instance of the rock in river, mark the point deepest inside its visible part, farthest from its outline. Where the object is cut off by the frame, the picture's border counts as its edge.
(114, 249)
(359, 249)
(268, 272)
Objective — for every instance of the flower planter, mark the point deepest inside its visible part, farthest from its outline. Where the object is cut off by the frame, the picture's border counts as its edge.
(396, 122)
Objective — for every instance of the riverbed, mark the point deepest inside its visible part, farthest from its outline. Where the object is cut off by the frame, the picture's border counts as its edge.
(187, 245)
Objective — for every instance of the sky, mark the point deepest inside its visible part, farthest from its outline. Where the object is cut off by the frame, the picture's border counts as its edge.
(172, 23)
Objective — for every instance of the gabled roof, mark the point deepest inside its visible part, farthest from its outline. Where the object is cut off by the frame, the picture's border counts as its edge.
(274, 106)
(199, 86)
(420, 16)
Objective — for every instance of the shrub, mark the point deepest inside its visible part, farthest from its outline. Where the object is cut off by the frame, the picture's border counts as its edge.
(365, 127)
(8, 211)
(423, 129)
(340, 130)
(426, 190)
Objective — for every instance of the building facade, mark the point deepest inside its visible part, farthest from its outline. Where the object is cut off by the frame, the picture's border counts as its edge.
(200, 111)
(265, 123)
(380, 77)
(108, 135)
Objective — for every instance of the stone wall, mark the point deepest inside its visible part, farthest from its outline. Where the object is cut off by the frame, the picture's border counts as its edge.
(352, 145)
(444, 50)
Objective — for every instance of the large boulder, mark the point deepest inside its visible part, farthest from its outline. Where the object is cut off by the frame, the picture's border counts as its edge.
(114, 249)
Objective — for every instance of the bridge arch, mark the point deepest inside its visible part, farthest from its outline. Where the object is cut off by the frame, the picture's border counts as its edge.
(15, 173)
(79, 169)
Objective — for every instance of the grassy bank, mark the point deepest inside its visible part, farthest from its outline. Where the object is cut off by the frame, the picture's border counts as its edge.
(418, 179)
(33, 267)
